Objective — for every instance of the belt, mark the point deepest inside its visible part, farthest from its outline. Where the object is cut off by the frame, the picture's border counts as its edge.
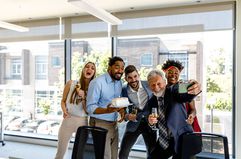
(101, 120)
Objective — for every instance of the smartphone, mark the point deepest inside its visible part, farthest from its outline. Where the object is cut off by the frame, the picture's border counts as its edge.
(182, 87)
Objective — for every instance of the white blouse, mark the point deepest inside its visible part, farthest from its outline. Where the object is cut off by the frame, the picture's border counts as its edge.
(73, 108)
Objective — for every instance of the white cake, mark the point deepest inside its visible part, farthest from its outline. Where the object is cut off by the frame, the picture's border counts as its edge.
(120, 102)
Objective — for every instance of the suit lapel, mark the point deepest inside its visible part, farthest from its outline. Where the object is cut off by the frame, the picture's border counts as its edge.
(167, 101)
(146, 88)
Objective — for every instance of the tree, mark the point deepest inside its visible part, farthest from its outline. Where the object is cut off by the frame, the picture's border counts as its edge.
(100, 60)
(212, 86)
(217, 77)
(45, 106)
(144, 72)
(217, 61)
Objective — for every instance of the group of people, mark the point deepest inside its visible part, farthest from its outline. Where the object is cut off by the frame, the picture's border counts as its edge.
(91, 97)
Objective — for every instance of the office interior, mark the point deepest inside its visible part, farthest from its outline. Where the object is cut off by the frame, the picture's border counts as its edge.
(204, 35)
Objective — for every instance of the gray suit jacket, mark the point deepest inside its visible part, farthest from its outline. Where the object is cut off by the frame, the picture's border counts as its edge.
(132, 126)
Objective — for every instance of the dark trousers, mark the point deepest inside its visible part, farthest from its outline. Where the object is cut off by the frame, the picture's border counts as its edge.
(130, 138)
(159, 153)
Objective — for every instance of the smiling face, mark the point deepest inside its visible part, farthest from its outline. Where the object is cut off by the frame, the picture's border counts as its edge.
(116, 70)
(172, 75)
(133, 79)
(89, 70)
(157, 85)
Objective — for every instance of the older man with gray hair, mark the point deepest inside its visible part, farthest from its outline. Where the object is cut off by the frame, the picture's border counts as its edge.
(171, 120)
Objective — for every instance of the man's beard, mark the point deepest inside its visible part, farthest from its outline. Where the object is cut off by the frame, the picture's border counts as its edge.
(116, 77)
(137, 85)
(160, 93)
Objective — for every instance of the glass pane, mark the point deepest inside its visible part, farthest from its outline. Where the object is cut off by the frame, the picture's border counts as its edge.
(96, 50)
(44, 31)
(89, 27)
(146, 59)
(204, 20)
(206, 57)
(31, 104)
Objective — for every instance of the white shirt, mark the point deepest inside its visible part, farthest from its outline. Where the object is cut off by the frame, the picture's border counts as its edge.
(141, 95)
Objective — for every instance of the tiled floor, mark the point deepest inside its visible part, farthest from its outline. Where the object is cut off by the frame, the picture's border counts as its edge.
(18, 150)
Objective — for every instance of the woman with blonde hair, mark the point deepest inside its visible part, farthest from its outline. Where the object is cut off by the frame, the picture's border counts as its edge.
(73, 105)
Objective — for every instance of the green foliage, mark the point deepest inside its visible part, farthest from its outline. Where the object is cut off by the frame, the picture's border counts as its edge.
(144, 72)
(100, 60)
(212, 86)
(219, 81)
(8, 101)
(217, 62)
(45, 106)
(159, 67)
(221, 104)
(222, 101)
(216, 119)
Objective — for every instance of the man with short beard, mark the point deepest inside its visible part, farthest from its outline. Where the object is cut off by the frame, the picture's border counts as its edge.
(100, 94)
(172, 115)
(138, 94)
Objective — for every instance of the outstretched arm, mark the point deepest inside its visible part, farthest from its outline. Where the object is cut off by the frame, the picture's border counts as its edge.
(192, 91)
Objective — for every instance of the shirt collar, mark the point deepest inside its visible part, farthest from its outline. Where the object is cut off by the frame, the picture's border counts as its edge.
(108, 78)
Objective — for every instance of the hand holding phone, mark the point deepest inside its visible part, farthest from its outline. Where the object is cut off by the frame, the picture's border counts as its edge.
(183, 87)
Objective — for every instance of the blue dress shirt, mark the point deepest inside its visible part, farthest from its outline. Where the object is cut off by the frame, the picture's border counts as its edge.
(101, 91)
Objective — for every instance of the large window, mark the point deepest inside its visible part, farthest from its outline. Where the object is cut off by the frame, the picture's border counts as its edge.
(146, 59)
(56, 61)
(203, 46)
(207, 58)
(96, 50)
(41, 67)
(34, 99)
(182, 56)
(33, 73)
(16, 68)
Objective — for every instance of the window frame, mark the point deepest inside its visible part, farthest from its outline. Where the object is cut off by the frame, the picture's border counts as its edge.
(144, 57)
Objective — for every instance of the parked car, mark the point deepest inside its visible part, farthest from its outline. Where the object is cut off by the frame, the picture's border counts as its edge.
(17, 124)
(8, 119)
(15, 111)
(55, 129)
(31, 126)
(48, 127)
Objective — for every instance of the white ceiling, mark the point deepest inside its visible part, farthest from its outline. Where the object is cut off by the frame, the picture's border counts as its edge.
(22, 10)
